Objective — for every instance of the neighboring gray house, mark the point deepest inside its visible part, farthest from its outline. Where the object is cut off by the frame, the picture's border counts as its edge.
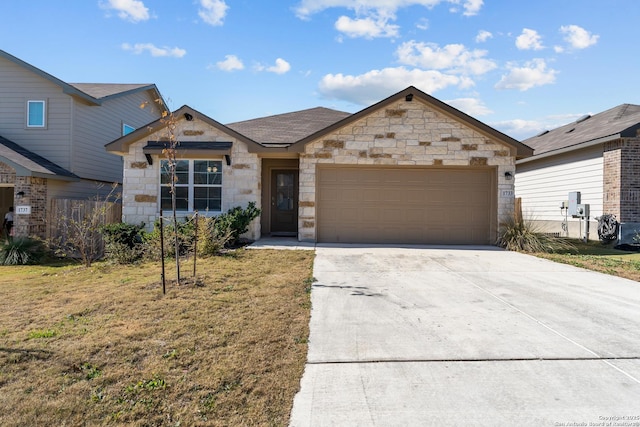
(408, 169)
(598, 155)
(52, 137)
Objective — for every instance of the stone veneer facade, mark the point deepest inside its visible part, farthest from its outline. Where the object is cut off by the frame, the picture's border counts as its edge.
(141, 181)
(405, 133)
(622, 179)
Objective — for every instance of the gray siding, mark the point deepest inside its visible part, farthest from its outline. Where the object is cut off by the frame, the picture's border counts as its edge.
(81, 190)
(17, 86)
(95, 126)
(543, 184)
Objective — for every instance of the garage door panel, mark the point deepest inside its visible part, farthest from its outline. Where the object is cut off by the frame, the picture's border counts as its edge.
(392, 205)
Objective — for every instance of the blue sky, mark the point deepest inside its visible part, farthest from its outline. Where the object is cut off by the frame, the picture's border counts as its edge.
(521, 66)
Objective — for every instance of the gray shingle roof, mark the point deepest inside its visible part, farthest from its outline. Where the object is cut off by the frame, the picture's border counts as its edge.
(618, 121)
(289, 127)
(35, 164)
(103, 90)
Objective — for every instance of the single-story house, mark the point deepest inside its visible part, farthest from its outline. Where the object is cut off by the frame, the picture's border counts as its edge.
(598, 156)
(408, 169)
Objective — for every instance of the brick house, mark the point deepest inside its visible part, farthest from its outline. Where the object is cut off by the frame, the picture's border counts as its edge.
(599, 156)
(408, 169)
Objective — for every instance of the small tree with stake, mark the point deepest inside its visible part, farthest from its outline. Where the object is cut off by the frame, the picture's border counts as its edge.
(170, 152)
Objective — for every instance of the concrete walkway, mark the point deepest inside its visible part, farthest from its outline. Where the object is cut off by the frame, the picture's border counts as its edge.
(467, 336)
(291, 243)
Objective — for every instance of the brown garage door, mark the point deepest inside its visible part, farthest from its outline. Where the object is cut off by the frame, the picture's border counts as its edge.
(395, 205)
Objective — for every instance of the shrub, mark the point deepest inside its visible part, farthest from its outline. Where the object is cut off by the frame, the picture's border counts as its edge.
(214, 233)
(213, 236)
(22, 251)
(152, 240)
(524, 236)
(237, 220)
(123, 242)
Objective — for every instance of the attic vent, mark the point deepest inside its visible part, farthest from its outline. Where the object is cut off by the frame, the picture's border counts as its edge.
(544, 132)
(583, 118)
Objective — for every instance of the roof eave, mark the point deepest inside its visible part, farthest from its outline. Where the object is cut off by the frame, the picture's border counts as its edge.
(66, 88)
(571, 148)
(121, 145)
(152, 87)
(24, 171)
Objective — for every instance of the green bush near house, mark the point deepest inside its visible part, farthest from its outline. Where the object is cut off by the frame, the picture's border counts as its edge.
(237, 220)
(123, 242)
(214, 233)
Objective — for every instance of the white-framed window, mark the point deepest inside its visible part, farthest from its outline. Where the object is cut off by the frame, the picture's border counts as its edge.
(36, 113)
(198, 185)
(127, 129)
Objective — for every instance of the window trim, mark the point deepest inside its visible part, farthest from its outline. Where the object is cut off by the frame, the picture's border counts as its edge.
(124, 128)
(191, 184)
(44, 113)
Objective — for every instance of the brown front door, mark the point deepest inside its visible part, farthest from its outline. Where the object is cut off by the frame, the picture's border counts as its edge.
(284, 202)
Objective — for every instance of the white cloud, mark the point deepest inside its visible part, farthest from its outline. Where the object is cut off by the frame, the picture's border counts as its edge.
(534, 73)
(307, 8)
(472, 7)
(453, 57)
(280, 67)
(519, 129)
(558, 49)
(370, 87)
(213, 11)
(373, 16)
(139, 48)
(471, 106)
(578, 37)
(522, 129)
(483, 36)
(131, 10)
(423, 24)
(230, 63)
(367, 27)
(529, 40)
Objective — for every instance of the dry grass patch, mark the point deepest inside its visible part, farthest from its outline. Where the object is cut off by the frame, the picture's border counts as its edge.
(103, 346)
(597, 257)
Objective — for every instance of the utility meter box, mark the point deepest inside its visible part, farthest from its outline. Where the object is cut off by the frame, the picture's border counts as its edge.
(582, 211)
(574, 201)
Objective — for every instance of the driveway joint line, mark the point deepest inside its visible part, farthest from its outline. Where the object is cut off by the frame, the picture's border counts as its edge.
(540, 322)
(513, 359)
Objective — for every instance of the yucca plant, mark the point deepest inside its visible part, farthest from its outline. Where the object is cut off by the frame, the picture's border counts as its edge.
(524, 236)
(21, 251)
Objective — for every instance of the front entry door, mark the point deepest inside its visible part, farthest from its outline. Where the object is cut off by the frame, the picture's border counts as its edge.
(284, 202)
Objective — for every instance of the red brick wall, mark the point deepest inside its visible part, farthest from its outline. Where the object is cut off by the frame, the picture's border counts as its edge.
(622, 179)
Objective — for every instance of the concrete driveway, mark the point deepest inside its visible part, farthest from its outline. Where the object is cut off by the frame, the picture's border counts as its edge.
(467, 336)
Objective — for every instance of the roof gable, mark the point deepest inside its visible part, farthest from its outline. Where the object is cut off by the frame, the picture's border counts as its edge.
(412, 93)
(92, 93)
(121, 145)
(614, 123)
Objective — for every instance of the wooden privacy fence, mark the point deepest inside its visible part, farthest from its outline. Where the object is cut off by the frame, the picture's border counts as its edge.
(517, 215)
(65, 210)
